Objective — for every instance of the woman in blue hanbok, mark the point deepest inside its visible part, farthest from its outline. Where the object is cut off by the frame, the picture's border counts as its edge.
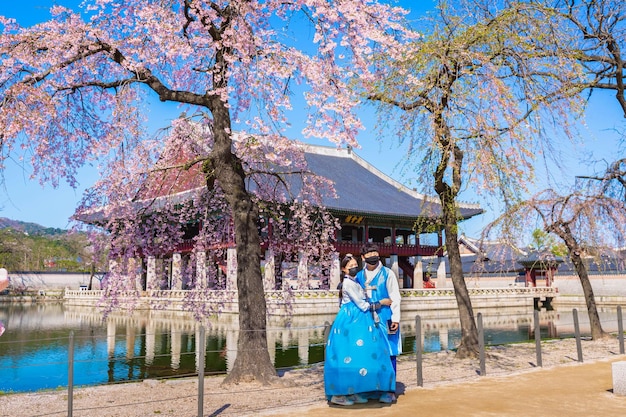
(357, 362)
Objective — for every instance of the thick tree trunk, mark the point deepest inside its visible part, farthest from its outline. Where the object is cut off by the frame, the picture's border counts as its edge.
(563, 230)
(469, 332)
(452, 161)
(253, 361)
(594, 318)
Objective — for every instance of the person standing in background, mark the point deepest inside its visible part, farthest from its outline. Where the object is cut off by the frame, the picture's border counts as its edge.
(428, 282)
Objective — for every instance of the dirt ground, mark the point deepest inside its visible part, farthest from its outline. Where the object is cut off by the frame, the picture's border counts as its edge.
(514, 386)
(583, 390)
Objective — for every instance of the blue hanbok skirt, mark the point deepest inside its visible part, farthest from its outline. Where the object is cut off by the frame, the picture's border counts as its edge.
(357, 355)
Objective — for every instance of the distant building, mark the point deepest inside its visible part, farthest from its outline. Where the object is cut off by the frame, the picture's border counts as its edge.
(485, 259)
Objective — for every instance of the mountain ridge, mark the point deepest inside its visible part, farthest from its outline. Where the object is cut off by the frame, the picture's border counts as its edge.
(30, 228)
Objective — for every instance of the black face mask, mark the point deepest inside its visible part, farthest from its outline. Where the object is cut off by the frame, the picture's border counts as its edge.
(372, 260)
(353, 271)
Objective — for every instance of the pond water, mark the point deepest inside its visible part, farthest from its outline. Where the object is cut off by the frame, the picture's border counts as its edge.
(34, 348)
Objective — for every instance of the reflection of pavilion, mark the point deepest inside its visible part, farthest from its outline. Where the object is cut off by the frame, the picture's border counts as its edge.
(181, 332)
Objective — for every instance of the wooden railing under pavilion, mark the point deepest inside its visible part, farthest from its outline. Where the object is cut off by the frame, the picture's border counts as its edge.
(386, 250)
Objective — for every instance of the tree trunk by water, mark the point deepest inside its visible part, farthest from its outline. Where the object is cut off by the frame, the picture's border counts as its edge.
(253, 361)
(597, 332)
(469, 331)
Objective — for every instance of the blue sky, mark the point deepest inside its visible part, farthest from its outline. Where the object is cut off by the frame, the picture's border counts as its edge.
(24, 199)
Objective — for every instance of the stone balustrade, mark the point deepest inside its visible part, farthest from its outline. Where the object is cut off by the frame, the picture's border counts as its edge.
(317, 301)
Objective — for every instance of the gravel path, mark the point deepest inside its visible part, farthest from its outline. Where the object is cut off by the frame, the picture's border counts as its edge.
(298, 391)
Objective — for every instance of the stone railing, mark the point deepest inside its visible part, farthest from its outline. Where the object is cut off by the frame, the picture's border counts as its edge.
(321, 301)
(281, 295)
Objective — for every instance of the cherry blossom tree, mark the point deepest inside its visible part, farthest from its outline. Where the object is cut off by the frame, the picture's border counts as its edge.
(591, 216)
(77, 88)
(473, 99)
(586, 220)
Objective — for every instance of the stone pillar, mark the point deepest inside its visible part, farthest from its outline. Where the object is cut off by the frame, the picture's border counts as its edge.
(303, 272)
(176, 346)
(134, 268)
(618, 370)
(164, 273)
(130, 341)
(150, 342)
(110, 338)
(201, 275)
(418, 272)
(441, 273)
(303, 346)
(271, 345)
(151, 279)
(269, 274)
(231, 269)
(550, 276)
(335, 271)
(393, 264)
(232, 336)
(285, 339)
(177, 272)
(198, 353)
(443, 338)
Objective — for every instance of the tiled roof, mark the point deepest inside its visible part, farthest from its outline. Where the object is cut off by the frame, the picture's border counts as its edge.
(360, 187)
(496, 257)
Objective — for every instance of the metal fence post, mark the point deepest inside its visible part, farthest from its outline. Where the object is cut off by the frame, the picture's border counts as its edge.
(70, 376)
(201, 353)
(537, 339)
(481, 344)
(620, 330)
(418, 350)
(579, 347)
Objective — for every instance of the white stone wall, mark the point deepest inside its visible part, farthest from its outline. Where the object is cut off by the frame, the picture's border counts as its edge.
(43, 280)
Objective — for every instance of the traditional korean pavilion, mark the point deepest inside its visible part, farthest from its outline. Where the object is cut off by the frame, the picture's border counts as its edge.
(540, 264)
(373, 207)
(369, 205)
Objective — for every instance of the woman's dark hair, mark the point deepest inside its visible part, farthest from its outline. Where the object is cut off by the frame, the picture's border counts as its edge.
(345, 260)
(343, 264)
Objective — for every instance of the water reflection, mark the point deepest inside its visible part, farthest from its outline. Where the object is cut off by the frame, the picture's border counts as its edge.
(33, 350)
